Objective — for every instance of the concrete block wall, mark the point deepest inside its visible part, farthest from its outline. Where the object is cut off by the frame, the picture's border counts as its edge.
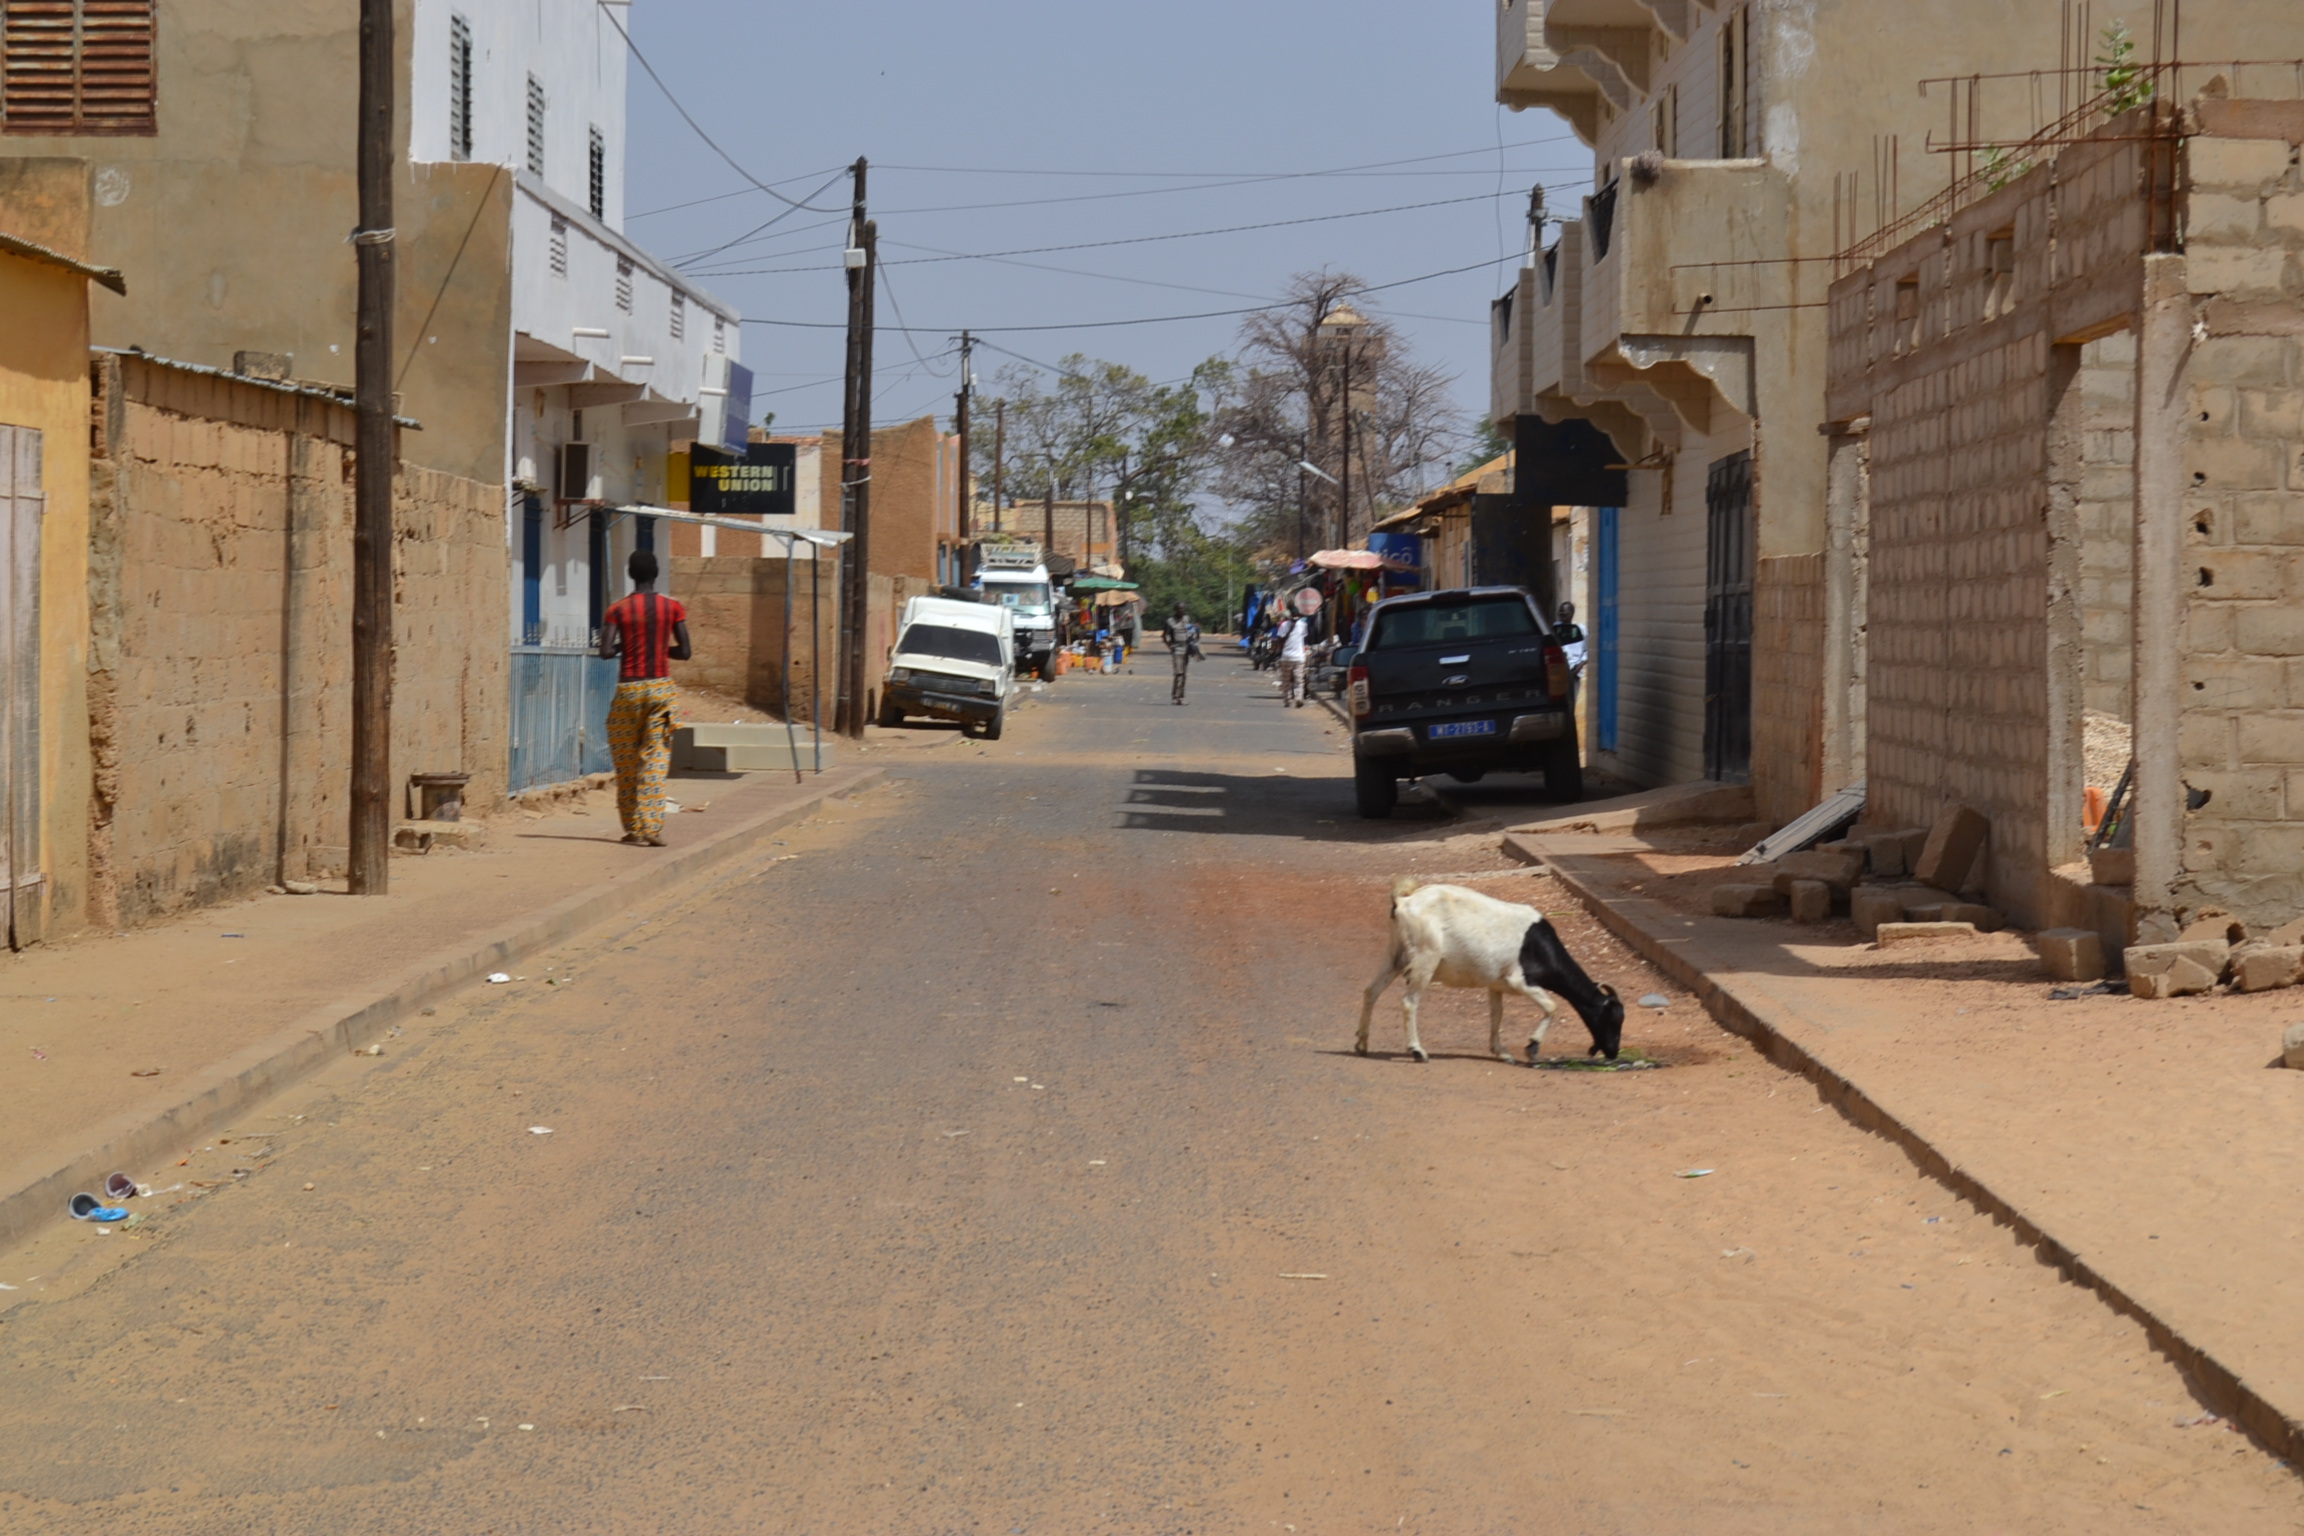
(2107, 515)
(2240, 684)
(220, 592)
(736, 626)
(1788, 686)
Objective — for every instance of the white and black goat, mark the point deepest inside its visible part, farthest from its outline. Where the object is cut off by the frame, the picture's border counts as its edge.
(1460, 938)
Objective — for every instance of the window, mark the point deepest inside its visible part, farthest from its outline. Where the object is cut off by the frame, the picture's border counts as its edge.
(459, 88)
(77, 67)
(1664, 122)
(623, 285)
(679, 315)
(1478, 618)
(558, 254)
(719, 336)
(535, 126)
(599, 175)
(1735, 77)
(950, 643)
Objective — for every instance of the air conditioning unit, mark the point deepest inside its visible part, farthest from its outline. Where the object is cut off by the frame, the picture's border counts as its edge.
(576, 483)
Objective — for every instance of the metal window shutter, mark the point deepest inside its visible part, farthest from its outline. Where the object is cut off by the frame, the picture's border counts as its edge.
(77, 67)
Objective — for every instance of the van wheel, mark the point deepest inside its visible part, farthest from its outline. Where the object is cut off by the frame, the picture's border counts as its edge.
(1374, 790)
(891, 718)
(991, 727)
(1048, 667)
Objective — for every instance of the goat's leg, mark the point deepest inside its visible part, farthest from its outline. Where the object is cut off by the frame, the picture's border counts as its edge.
(1419, 977)
(1496, 1025)
(1543, 1000)
(1392, 967)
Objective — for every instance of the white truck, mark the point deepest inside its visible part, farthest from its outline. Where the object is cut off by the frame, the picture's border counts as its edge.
(1016, 577)
(953, 660)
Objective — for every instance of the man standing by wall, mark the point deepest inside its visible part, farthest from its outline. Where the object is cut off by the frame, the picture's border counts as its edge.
(1291, 637)
(647, 631)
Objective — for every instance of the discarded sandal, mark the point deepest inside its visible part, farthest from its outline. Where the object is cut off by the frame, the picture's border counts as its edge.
(85, 1207)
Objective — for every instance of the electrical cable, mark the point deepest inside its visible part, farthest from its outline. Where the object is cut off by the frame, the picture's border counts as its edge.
(608, 10)
(758, 230)
(720, 197)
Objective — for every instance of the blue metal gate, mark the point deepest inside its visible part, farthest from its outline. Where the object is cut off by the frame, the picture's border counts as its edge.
(559, 714)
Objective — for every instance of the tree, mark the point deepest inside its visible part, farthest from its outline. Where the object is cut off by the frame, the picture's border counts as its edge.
(1294, 380)
(1487, 444)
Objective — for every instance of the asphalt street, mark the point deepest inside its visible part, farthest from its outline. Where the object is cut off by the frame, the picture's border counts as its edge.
(989, 1155)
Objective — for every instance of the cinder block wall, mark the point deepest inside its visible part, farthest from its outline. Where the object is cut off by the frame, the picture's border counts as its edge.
(2240, 736)
(736, 626)
(220, 637)
(1788, 686)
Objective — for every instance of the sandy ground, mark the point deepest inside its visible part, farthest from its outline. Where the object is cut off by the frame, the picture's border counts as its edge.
(992, 1157)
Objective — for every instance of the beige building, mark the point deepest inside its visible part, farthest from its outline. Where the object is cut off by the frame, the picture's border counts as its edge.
(1681, 310)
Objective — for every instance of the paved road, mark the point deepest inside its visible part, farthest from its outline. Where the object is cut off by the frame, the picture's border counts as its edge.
(993, 1160)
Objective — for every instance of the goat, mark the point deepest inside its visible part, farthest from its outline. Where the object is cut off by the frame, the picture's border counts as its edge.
(1461, 938)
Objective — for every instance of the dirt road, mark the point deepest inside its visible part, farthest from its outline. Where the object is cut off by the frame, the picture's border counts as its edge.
(991, 1157)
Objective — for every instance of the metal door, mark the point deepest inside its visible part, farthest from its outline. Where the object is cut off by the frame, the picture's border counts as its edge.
(1604, 566)
(1728, 569)
(22, 501)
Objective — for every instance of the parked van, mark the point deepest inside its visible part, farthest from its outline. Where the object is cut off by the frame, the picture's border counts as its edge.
(953, 661)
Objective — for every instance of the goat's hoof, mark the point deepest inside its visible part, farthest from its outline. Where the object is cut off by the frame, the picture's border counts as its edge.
(1359, 1047)
(1419, 1053)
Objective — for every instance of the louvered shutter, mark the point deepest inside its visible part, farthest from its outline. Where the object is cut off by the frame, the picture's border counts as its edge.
(77, 67)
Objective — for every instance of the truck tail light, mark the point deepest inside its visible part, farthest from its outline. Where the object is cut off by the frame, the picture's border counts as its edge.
(1356, 683)
(1556, 671)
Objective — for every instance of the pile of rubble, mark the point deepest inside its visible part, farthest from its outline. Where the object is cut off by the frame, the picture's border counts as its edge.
(1897, 883)
(2213, 948)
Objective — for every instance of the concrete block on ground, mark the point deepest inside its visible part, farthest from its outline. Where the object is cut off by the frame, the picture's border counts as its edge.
(1952, 845)
(1837, 870)
(1889, 934)
(2175, 970)
(1811, 901)
(2071, 954)
(2287, 934)
(1872, 905)
(1883, 851)
(2112, 866)
(1915, 843)
(2292, 1045)
(744, 749)
(2213, 923)
(1985, 919)
(2266, 967)
(1746, 901)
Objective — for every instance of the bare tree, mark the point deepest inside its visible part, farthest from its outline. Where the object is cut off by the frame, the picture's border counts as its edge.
(1294, 380)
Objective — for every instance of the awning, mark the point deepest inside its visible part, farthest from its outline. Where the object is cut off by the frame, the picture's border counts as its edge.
(1357, 560)
(1116, 599)
(1101, 584)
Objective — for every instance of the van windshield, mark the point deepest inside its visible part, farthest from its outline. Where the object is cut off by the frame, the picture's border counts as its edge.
(1444, 623)
(951, 643)
(1018, 594)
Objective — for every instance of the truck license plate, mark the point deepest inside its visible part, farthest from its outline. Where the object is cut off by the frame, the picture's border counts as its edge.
(1462, 728)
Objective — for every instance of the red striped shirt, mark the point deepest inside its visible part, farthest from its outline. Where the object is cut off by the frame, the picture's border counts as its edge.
(644, 621)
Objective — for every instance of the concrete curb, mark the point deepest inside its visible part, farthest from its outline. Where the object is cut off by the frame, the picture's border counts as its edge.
(1688, 960)
(35, 1190)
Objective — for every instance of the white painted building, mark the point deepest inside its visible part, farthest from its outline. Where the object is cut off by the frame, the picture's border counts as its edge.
(616, 358)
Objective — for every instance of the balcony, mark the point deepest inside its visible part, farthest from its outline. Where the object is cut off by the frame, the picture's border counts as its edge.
(1567, 55)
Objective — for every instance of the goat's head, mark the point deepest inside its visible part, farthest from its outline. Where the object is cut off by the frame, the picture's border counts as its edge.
(1605, 1018)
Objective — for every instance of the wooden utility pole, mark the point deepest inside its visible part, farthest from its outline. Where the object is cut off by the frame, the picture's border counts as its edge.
(856, 465)
(370, 855)
(960, 429)
(1344, 485)
(1048, 515)
(999, 456)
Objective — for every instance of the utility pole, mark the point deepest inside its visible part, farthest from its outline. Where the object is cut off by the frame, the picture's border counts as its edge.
(1344, 487)
(370, 855)
(856, 462)
(1048, 514)
(1121, 491)
(999, 453)
(960, 428)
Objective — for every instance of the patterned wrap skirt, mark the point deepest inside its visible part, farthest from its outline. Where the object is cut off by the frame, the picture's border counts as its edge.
(640, 742)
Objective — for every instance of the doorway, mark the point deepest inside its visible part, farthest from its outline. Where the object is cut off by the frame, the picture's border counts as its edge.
(22, 501)
(1604, 567)
(1728, 571)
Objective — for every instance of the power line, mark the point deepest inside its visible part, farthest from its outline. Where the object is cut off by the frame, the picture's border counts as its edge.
(721, 197)
(757, 230)
(1100, 325)
(1092, 245)
(608, 10)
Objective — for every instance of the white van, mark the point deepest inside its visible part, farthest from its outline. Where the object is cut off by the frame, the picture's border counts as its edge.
(953, 661)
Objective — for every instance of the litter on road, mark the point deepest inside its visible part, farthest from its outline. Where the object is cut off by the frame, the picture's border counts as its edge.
(539, 1130)
(498, 978)
(1693, 1173)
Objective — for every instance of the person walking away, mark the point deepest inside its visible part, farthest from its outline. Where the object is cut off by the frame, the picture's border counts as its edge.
(1183, 637)
(645, 632)
(1292, 630)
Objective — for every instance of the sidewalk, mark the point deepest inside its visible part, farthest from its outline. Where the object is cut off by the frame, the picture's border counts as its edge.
(114, 1048)
(2149, 1150)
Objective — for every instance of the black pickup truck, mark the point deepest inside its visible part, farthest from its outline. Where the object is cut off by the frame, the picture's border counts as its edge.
(1461, 683)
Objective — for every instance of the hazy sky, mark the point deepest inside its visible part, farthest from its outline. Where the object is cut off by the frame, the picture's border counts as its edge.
(1008, 125)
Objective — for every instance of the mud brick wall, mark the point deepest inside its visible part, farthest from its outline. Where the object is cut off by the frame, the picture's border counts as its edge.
(220, 644)
(2241, 684)
(736, 627)
(1788, 685)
